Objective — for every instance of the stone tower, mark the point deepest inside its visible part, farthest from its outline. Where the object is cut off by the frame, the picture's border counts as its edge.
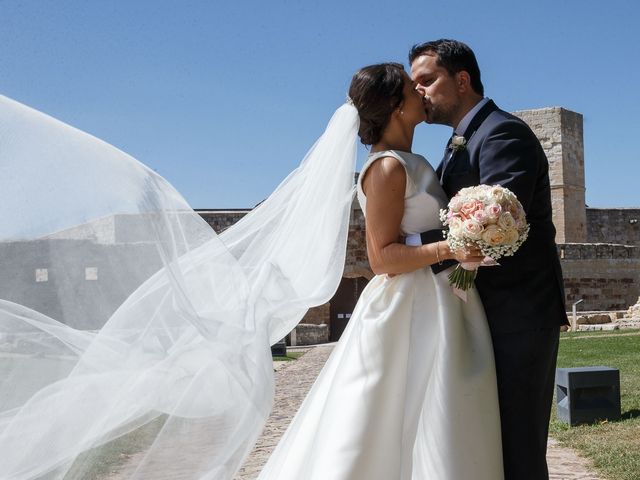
(560, 133)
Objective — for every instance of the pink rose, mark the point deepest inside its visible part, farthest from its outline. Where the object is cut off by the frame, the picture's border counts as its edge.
(470, 207)
(493, 211)
(480, 216)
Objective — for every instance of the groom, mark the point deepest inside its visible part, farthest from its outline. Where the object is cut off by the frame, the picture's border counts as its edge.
(523, 298)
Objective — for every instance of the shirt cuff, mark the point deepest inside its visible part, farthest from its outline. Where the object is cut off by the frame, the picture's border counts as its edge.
(413, 240)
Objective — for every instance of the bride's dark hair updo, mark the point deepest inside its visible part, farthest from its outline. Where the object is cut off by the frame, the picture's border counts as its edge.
(376, 91)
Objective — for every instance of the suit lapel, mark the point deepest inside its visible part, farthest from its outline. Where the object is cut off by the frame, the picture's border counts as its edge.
(479, 117)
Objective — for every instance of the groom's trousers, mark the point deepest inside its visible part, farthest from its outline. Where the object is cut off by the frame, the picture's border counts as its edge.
(525, 371)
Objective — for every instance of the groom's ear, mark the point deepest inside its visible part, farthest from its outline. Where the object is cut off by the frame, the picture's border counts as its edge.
(463, 81)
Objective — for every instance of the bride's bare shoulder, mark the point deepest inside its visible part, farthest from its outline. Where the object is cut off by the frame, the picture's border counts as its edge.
(384, 172)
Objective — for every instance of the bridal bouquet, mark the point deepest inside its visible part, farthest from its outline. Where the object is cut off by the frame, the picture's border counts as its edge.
(488, 217)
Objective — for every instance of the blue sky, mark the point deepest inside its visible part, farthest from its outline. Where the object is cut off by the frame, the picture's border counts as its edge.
(224, 98)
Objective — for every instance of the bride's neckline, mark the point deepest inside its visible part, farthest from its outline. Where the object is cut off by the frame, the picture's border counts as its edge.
(391, 150)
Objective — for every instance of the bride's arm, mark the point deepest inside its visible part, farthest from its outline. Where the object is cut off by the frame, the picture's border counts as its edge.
(384, 186)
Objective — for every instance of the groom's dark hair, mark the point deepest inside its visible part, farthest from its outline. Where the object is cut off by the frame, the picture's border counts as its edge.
(454, 56)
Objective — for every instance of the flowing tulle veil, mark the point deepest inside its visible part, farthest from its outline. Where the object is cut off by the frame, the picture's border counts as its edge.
(133, 338)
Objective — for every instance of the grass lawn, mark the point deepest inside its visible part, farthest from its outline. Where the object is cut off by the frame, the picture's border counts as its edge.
(288, 357)
(614, 447)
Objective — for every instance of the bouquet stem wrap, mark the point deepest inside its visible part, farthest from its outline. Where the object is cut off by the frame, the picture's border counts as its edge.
(464, 275)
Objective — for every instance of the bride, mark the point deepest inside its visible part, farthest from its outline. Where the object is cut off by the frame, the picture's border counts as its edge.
(134, 342)
(409, 392)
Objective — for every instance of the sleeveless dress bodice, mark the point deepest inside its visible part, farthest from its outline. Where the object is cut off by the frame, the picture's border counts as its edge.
(424, 197)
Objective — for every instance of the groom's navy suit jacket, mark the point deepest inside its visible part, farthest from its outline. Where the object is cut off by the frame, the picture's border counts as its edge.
(526, 291)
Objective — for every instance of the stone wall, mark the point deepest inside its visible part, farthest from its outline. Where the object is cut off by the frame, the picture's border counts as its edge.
(561, 136)
(357, 264)
(66, 278)
(306, 334)
(605, 276)
(317, 315)
(220, 220)
(616, 225)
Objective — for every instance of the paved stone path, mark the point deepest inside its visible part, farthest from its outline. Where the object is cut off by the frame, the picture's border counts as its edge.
(294, 379)
(566, 464)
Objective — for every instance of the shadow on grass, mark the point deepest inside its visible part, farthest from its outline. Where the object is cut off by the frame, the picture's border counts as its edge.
(629, 415)
(558, 425)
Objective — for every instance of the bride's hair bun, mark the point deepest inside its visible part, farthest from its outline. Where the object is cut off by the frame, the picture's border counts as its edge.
(376, 91)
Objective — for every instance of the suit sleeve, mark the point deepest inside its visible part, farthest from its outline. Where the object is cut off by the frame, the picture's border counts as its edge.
(509, 157)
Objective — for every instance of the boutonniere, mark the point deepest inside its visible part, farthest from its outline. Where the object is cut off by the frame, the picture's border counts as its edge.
(458, 142)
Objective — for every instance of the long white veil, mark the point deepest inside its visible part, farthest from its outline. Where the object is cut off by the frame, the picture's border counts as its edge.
(133, 340)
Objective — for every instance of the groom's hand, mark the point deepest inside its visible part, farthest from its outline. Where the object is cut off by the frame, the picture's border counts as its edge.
(467, 255)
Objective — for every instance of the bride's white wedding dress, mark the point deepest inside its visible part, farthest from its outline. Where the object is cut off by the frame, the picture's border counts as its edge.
(409, 391)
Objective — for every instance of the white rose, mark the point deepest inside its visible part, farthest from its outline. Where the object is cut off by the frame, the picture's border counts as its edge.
(521, 217)
(458, 142)
(511, 236)
(455, 227)
(509, 195)
(472, 229)
(506, 221)
(456, 203)
(497, 193)
(464, 193)
(493, 236)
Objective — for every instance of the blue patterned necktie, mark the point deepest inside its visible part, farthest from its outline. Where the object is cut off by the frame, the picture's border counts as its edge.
(448, 153)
